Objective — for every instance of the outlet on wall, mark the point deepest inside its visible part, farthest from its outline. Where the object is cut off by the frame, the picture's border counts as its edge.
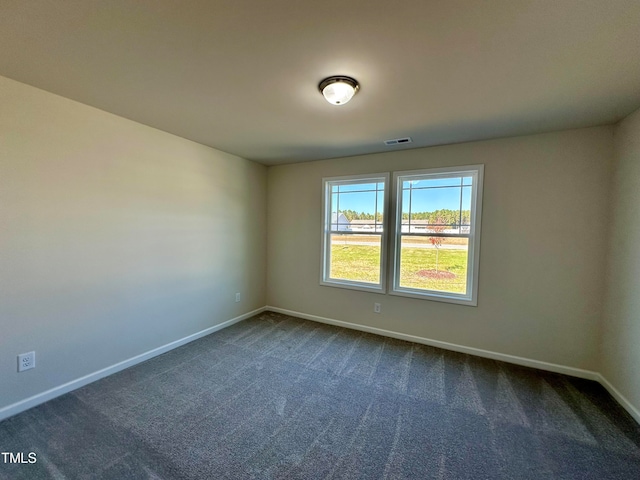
(377, 308)
(26, 361)
(237, 297)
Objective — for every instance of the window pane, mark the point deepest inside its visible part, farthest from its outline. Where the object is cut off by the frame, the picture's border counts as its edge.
(339, 222)
(355, 257)
(355, 205)
(433, 199)
(434, 263)
(406, 205)
(365, 226)
(380, 208)
(357, 187)
(466, 208)
(354, 210)
(435, 210)
(432, 182)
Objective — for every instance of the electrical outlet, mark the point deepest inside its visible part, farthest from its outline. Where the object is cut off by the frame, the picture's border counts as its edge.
(377, 308)
(237, 297)
(26, 361)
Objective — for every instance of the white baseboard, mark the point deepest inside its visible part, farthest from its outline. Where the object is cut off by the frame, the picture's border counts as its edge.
(527, 362)
(52, 393)
(621, 399)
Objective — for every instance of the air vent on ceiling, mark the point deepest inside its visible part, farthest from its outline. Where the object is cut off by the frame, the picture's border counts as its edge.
(397, 141)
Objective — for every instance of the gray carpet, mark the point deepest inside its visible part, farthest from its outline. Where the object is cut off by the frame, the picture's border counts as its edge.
(278, 397)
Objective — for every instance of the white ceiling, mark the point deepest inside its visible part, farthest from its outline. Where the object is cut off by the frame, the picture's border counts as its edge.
(242, 75)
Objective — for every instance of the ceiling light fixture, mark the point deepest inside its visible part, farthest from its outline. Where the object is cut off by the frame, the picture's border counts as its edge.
(338, 89)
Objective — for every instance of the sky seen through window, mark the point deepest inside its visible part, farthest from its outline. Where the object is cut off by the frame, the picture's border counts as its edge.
(426, 195)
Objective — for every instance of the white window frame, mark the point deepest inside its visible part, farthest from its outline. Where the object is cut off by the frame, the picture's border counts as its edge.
(325, 267)
(473, 259)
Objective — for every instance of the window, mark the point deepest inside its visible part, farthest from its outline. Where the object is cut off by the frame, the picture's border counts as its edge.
(435, 246)
(354, 240)
(437, 234)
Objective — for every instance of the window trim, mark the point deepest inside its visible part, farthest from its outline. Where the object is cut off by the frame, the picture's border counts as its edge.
(471, 297)
(325, 280)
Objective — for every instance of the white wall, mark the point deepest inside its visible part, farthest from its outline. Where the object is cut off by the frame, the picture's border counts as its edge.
(621, 324)
(115, 238)
(542, 258)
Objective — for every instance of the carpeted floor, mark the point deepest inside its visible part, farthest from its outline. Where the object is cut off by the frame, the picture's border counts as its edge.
(278, 397)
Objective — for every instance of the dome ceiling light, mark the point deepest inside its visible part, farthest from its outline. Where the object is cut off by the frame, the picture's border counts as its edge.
(338, 90)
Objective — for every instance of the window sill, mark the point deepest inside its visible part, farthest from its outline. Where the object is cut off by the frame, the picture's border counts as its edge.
(436, 296)
(363, 287)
